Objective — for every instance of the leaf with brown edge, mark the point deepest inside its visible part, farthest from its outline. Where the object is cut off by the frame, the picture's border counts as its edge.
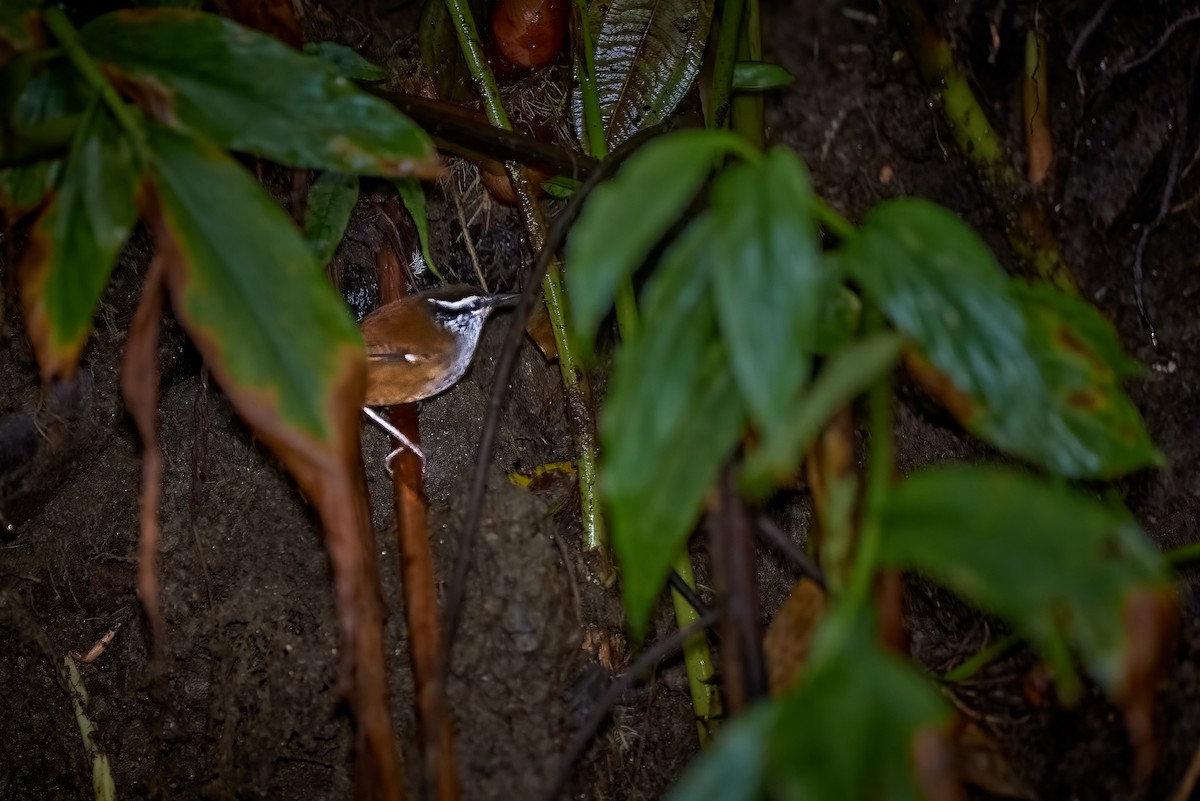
(248, 92)
(74, 242)
(284, 348)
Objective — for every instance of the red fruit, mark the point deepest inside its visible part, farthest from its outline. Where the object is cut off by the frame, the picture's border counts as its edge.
(529, 33)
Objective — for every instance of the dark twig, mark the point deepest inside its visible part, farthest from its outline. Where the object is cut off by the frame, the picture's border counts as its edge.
(1146, 57)
(621, 685)
(456, 588)
(735, 572)
(1164, 208)
(684, 589)
(774, 536)
(1085, 35)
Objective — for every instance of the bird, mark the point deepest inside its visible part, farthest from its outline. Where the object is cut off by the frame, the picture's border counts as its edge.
(420, 346)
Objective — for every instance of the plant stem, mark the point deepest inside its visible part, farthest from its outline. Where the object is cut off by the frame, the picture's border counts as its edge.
(593, 118)
(575, 383)
(747, 116)
(879, 481)
(1183, 556)
(706, 698)
(980, 660)
(1028, 232)
(64, 32)
(726, 56)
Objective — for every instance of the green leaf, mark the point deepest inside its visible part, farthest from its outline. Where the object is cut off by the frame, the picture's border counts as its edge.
(672, 417)
(846, 731)
(847, 374)
(938, 283)
(74, 242)
(412, 194)
(348, 62)
(248, 92)
(1059, 566)
(770, 281)
(442, 55)
(626, 217)
(1082, 362)
(51, 94)
(327, 213)
(247, 287)
(647, 55)
(759, 76)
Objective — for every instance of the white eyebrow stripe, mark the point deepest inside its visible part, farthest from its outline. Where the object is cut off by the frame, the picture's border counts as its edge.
(455, 305)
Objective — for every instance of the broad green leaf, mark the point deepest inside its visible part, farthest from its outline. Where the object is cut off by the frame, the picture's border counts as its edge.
(1082, 362)
(626, 217)
(412, 194)
(247, 287)
(75, 240)
(248, 92)
(348, 62)
(845, 375)
(672, 417)
(647, 55)
(938, 283)
(759, 76)
(327, 213)
(770, 281)
(846, 731)
(1059, 566)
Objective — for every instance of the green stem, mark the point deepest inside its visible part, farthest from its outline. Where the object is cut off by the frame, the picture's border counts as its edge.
(575, 384)
(593, 118)
(706, 698)
(980, 660)
(64, 32)
(724, 61)
(1028, 231)
(832, 219)
(747, 115)
(879, 481)
(1183, 556)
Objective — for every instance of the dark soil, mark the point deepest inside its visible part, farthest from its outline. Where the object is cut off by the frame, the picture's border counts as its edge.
(250, 709)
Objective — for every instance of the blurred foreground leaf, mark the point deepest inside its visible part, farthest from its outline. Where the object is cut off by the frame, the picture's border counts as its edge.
(331, 198)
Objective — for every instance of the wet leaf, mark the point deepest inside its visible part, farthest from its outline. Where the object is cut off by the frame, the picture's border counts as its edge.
(844, 376)
(250, 291)
(248, 92)
(848, 730)
(627, 216)
(770, 281)
(327, 213)
(759, 76)
(937, 282)
(1082, 362)
(347, 61)
(1059, 566)
(412, 195)
(74, 242)
(672, 417)
(647, 55)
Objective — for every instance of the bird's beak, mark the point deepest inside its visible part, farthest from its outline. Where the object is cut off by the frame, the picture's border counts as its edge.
(503, 301)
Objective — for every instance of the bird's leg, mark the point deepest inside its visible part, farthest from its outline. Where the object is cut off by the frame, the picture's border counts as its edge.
(404, 441)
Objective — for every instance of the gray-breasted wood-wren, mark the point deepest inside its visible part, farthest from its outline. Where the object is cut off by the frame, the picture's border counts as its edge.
(422, 345)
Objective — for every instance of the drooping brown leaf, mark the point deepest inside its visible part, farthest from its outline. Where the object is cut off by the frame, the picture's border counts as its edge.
(139, 387)
(790, 634)
(1151, 622)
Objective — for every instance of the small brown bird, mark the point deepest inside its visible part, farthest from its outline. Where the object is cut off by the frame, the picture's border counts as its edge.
(422, 345)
